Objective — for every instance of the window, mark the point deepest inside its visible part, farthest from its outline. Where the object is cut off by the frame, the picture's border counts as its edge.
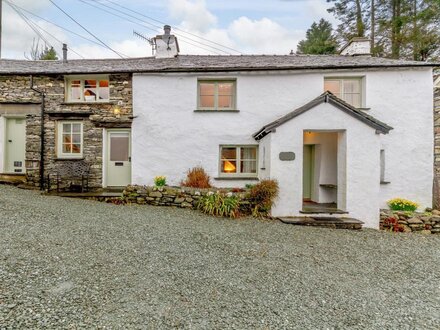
(382, 166)
(88, 90)
(70, 139)
(347, 89)
(238, 161)
(216, 95)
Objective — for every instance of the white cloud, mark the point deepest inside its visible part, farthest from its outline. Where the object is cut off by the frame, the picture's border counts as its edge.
(193, 14)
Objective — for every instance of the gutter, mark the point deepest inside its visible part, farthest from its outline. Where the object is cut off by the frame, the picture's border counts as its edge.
(42, 145)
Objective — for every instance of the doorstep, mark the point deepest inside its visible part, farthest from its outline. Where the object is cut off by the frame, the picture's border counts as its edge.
(324, 221)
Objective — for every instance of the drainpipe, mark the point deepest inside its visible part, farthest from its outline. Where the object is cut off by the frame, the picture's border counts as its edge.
(43, 97)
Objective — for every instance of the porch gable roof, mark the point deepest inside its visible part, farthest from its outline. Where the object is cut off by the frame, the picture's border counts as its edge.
(326, 97)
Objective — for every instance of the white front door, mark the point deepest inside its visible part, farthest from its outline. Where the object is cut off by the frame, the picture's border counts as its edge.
(118, 158)
(15, 145)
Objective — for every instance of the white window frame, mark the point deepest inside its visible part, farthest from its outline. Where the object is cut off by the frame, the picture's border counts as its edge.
(341, 82)
(238, 161)
(60, 153)
(216, 82)
(68, 92)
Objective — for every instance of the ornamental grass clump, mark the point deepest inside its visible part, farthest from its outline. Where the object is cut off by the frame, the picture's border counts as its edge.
(160, 181)
(262, 196)
(219, 204)
(400, 204)
(196, 178)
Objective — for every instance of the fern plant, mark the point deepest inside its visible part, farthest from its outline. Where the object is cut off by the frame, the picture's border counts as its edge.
(220, 205)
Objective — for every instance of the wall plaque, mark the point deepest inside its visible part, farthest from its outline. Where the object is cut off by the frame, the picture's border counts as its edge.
(287, 156)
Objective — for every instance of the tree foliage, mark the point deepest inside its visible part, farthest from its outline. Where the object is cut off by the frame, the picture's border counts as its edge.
(40, 52)
(408, 29)
(319, 39)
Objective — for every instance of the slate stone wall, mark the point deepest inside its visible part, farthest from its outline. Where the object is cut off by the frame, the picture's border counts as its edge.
(425, 223)
(95, 117)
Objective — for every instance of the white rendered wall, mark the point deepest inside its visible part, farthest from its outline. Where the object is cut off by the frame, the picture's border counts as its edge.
(361, 179)
(169, 137)
(2, 144)
(406, 105)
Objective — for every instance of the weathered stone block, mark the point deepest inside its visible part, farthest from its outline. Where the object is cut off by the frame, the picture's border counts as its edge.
(155, 194)
(414, 221)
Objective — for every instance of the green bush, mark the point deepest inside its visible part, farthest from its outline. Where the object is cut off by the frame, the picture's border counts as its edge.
(400, 204)
(262, 196)
(219, 204)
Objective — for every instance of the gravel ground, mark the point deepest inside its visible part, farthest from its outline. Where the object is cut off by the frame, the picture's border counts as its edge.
(68, 263)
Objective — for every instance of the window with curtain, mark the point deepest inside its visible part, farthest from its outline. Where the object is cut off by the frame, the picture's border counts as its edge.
(216, 95)
(238, 160)
(70, 140)
(94, 89)
(347, 89)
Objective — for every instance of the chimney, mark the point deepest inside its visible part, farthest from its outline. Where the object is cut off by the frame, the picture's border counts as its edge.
(166, 44)
(65, 53)
(359, 46)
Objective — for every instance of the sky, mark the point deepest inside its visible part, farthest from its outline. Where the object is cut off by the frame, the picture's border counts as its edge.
(202, 26)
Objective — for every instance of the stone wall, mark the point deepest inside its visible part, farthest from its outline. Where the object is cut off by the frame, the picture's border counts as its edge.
(436, 197)
(425, 223)
(95, 117)
(183, 197)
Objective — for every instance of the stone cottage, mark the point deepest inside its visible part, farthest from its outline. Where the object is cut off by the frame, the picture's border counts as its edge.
(85, 108)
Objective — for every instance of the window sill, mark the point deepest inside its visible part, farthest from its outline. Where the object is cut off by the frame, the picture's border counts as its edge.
(385, 182)
(253, 178)
(216, 111)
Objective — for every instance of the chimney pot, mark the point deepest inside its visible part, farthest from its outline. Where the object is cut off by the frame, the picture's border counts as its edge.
(167, 30)
(64, 53)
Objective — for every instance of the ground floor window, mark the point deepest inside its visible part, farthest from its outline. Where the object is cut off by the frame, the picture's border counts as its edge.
(238, 160)
(70, 139)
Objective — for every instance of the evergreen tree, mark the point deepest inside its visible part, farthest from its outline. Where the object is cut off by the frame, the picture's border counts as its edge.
(48, 54)
(319, 39)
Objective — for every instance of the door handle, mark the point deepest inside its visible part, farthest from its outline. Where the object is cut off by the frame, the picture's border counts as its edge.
(129, 159)
(9, 140)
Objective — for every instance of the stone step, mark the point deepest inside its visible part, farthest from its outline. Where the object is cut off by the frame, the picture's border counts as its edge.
(324, 221)
(13, 179)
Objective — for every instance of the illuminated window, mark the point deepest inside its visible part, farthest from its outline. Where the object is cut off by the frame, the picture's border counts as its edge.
(88, 90)
(238, 160)
(70, 139)
(216, 95)
(347, 89)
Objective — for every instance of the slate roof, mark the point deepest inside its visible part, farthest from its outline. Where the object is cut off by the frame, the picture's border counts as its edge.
(203, 63)
(326, 97)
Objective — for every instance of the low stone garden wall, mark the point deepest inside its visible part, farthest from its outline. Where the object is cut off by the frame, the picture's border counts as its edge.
(399, 221)
(174, 196)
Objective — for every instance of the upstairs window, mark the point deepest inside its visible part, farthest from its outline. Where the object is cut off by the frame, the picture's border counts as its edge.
(88, 90)
(238, 161)
(216, 95)
(347, 89)
(70, 139)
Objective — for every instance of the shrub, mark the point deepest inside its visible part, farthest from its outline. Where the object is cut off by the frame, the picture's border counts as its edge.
(262, 196)
(400, 204)
(160, 181)
(196, 178)
(393, 225)
(219, 204)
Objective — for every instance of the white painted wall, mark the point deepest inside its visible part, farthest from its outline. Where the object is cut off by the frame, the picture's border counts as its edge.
(169, 137)
(2, 142)
(361, 178)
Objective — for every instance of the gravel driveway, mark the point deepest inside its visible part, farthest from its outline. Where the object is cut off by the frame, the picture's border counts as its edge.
(67, 263)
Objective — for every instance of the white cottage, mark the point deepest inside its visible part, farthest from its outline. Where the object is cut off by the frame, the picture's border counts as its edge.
(341, 134)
